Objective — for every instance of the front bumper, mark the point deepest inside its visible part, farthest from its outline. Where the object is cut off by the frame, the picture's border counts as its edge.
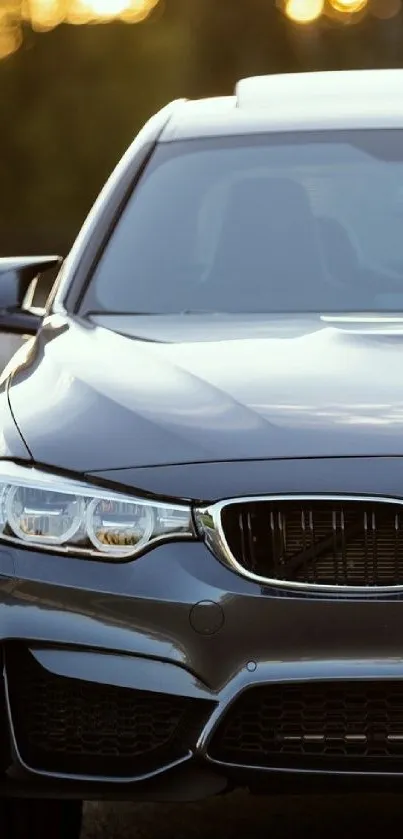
(171, 640)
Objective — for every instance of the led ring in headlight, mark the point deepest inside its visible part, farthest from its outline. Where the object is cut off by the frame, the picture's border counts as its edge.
(124, 524)
(27, 510)
(64, 515)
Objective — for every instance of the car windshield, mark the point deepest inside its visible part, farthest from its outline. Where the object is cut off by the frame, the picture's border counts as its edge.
(304, 222)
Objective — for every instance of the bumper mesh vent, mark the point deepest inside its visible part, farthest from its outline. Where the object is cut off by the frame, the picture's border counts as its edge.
(347, 725)
(81, 728)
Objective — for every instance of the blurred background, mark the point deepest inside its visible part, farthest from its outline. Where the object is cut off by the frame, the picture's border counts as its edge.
(79, 77)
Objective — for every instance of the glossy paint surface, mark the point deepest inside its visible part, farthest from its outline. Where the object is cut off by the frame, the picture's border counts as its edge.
(133, 627)
(217, 388)
(295, 102)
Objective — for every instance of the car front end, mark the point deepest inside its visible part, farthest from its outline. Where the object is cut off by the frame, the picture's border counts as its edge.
(201, 464)
(213, 659)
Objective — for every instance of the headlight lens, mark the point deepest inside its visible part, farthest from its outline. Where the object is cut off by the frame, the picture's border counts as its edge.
(50, 512)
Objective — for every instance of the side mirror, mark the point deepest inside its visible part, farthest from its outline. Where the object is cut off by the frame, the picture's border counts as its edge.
(18, 278)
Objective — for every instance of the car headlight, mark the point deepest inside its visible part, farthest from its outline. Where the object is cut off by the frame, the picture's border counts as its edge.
(66, 516)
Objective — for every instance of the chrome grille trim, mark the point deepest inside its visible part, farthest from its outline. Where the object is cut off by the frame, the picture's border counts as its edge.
(208, 520)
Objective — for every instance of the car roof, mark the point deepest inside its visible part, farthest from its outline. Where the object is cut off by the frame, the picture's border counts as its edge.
(344, 99)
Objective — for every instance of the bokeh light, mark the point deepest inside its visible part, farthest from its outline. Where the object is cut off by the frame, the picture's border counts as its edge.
(104, 11)
(304, 11)
(10, 35)
(349, 6)
(44, 15)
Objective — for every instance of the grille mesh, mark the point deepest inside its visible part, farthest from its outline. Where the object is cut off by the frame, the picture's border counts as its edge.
(352, 543)
(343, 725)
(77, 727)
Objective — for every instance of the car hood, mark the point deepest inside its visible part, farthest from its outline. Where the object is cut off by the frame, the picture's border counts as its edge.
(144, 391)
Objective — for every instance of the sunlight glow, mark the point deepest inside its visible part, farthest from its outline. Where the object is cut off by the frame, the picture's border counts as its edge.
(349, 6)
(108, 8)
(10, 35)
(304, 11)
(44, 15)
(99, 11)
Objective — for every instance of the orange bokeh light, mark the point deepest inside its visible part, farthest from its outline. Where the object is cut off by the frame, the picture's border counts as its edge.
(103, 11)
(304, 11)
(44, 15)
(349, 6)
(10, 35)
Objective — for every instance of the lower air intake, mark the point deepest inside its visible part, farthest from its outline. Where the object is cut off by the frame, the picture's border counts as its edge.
(81, 728)
(328, 725)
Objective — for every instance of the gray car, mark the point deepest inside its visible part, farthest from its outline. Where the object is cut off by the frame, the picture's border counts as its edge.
(201, 465)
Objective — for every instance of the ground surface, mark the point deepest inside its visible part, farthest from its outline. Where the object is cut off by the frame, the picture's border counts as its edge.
(238, 816)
